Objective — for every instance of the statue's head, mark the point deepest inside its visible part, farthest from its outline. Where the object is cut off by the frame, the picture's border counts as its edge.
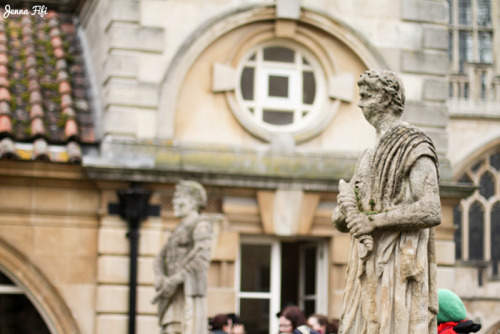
(381, 92)
(189, 196)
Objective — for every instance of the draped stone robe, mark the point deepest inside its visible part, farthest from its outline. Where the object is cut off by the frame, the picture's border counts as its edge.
(188, 252)
(393, 290)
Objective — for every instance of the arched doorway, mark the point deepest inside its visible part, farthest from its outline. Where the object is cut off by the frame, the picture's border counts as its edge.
(17, 313)
(21, 277)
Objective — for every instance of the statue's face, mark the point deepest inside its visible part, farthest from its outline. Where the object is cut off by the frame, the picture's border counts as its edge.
(370, 102)
(183, 205)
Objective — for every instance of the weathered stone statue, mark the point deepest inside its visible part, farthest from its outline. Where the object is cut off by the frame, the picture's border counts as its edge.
(182, 265)
(390, 207)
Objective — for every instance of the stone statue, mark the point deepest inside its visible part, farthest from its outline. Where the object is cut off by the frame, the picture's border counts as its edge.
(182, 265)
(390, 207)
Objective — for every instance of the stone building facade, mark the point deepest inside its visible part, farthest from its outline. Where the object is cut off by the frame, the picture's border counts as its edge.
(256, 100)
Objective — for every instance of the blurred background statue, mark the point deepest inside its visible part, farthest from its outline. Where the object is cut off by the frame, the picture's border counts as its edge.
(182, 265)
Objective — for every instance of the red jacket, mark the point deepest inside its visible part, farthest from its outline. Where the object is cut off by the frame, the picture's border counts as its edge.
(447, 328)
(464, 326)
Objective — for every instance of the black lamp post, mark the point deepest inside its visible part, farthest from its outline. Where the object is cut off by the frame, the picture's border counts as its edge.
(133, 209)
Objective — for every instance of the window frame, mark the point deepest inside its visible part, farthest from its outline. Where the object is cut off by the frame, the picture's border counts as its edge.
(319, 114)
(455, 28)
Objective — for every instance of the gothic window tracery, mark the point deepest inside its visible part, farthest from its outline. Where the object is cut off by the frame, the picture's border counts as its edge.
(477, 217)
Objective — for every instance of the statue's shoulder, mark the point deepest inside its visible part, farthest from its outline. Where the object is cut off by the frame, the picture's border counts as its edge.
(202, 228)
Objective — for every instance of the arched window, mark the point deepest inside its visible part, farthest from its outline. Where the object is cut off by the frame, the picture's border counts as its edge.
(476, 231)
(17, 314)
(457, 221)
(480, 213)
(495, 237)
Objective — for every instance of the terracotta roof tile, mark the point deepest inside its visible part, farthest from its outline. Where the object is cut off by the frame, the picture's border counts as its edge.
(43, 89)
(5, 124)
(40, 150)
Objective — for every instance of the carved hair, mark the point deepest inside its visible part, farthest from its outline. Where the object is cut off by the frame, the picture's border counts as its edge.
(390, 83)
(193, 190)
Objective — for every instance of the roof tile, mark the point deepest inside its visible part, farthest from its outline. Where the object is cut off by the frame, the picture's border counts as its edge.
(43, 96)
(5, 124)
(4, 94)
(8, 149)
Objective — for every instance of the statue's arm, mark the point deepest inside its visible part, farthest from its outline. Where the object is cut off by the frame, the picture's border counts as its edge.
(158, 264)
(199, 256)
(345, 198)
(425, 210)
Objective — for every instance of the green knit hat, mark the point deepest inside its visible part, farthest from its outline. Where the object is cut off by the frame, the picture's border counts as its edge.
(451, 307)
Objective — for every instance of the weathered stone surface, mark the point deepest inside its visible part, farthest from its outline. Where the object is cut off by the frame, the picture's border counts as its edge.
(424, 11)
(125, 11)
(439, 138)
(138, 38)
(386, 235)
(223, 78)
(119, 65)
(182, 265)
(288, 9)
(435, 38)
(130, 93)
(435, 90)
(341, 87)
(422, 114)
(424, 62)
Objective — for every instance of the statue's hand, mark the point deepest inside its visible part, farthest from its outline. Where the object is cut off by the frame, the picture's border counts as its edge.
(346, 202)
(346, 199)
(160, 282)
(359, 225)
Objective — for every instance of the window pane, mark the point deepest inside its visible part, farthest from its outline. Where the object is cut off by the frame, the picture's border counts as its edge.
(450, 11)
(280, 54)
(19, 316)
(487, 185)
(308, 87)
(465, 179)
(483, 13)
(4, 280)
(310, 271)
(465, 47)
(483, 86)
(457, 221)
(485, 47)
(450, 45)
(309, 307)
(255, 268)
(254, 313)
(276, 117)
(495, 160)
(495, 237)
(278, 86)
(464, 12)
(247, 83)
(477, 165)
(476, 231)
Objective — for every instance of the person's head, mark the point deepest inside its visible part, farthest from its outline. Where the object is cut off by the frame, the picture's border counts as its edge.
(290, 318)
(221, 322)
(189, 196)
(381, 94)
(451, 307)
(318, 322)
